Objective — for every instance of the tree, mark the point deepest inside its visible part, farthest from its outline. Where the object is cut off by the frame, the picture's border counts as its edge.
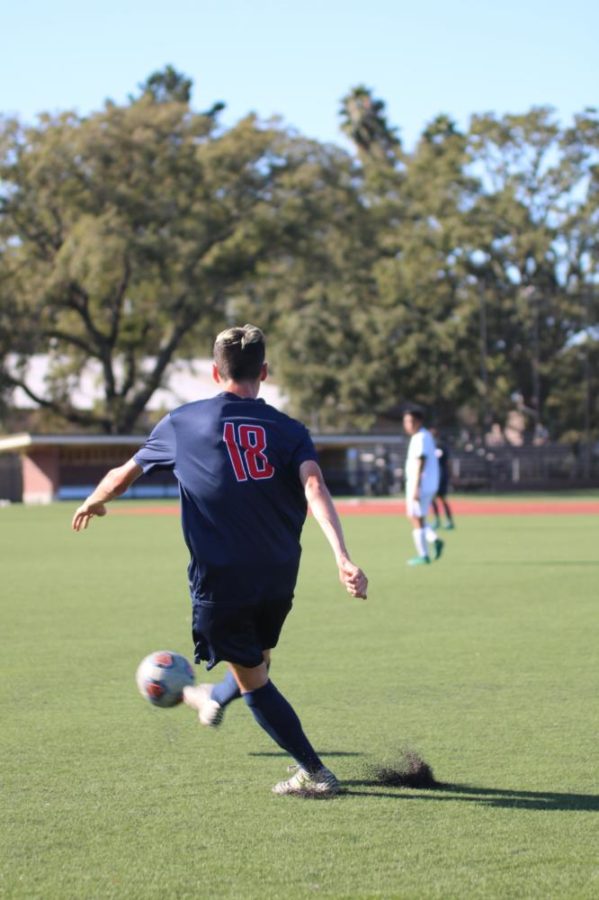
(364, 122)
(457, 275)
(420, 274)
(314, 293)
(529, 250)
(122, 238)
(573, 401)
(366, 305)
(167, 86)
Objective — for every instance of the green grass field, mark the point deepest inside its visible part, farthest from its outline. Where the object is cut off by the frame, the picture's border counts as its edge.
(485, 664)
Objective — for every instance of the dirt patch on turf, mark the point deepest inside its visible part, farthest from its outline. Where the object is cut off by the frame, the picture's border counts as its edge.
(409, 770)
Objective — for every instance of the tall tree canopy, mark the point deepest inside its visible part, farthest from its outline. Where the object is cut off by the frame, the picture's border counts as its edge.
(123, 236)
(461, 274)
(477, 271)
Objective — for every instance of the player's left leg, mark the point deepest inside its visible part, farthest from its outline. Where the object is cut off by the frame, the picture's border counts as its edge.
(430, 534)
(450, 524)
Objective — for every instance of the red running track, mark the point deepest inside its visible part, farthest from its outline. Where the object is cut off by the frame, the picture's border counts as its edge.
(460, 507)
(478, 507)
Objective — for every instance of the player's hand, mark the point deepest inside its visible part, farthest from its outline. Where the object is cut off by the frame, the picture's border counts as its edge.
(353, 578)
(86, 512)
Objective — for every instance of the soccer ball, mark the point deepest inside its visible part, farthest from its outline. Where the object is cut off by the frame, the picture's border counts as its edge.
(161, 677)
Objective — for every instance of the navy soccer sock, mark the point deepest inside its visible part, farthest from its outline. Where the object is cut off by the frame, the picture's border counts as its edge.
(278, 718)
(226, 690)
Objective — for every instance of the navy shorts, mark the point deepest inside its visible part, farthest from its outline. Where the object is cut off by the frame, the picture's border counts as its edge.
(443, 486)
(239, 611)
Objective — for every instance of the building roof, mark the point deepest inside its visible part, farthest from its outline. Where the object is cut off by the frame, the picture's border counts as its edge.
(15, 443)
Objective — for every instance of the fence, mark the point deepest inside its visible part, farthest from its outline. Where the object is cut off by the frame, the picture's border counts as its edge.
(360, 466)
(380, 471)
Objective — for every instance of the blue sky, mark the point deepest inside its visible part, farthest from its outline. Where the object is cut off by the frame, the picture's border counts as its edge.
(298, 59)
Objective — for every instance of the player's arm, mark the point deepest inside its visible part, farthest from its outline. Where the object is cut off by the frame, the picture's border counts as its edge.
(323, 510)
(114, 483)
(419, 471)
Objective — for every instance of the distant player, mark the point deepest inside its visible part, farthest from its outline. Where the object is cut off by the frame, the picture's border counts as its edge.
(443, 455)
(247, 474)
(422, 482)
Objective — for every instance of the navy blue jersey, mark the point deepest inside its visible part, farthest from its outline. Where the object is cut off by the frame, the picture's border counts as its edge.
(237, 463)
(443, 455)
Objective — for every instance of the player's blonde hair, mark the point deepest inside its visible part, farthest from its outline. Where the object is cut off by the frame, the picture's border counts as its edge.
(239, 353)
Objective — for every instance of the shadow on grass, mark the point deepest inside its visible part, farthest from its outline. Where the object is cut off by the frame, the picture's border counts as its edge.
(546, 801)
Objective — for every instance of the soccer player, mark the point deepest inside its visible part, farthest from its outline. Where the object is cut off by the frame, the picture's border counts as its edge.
(441, 496)
(247, 474)
(422, 481)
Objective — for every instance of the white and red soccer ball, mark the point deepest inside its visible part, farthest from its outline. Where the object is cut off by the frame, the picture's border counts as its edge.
(161, 677)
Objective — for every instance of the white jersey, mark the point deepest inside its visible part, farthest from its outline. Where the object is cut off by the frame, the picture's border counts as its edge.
(421, 445)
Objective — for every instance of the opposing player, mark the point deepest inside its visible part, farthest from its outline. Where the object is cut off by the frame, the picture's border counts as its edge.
(422, 481)
(247, 474)
(443, 455)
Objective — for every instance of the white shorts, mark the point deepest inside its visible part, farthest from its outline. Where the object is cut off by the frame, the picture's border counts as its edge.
(418, 508)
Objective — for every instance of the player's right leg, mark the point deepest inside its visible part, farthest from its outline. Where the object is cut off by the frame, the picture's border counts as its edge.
(214, 591)
(211, 700)
(273, 712)
(200, 697)
(435, 506)
(418, 534)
